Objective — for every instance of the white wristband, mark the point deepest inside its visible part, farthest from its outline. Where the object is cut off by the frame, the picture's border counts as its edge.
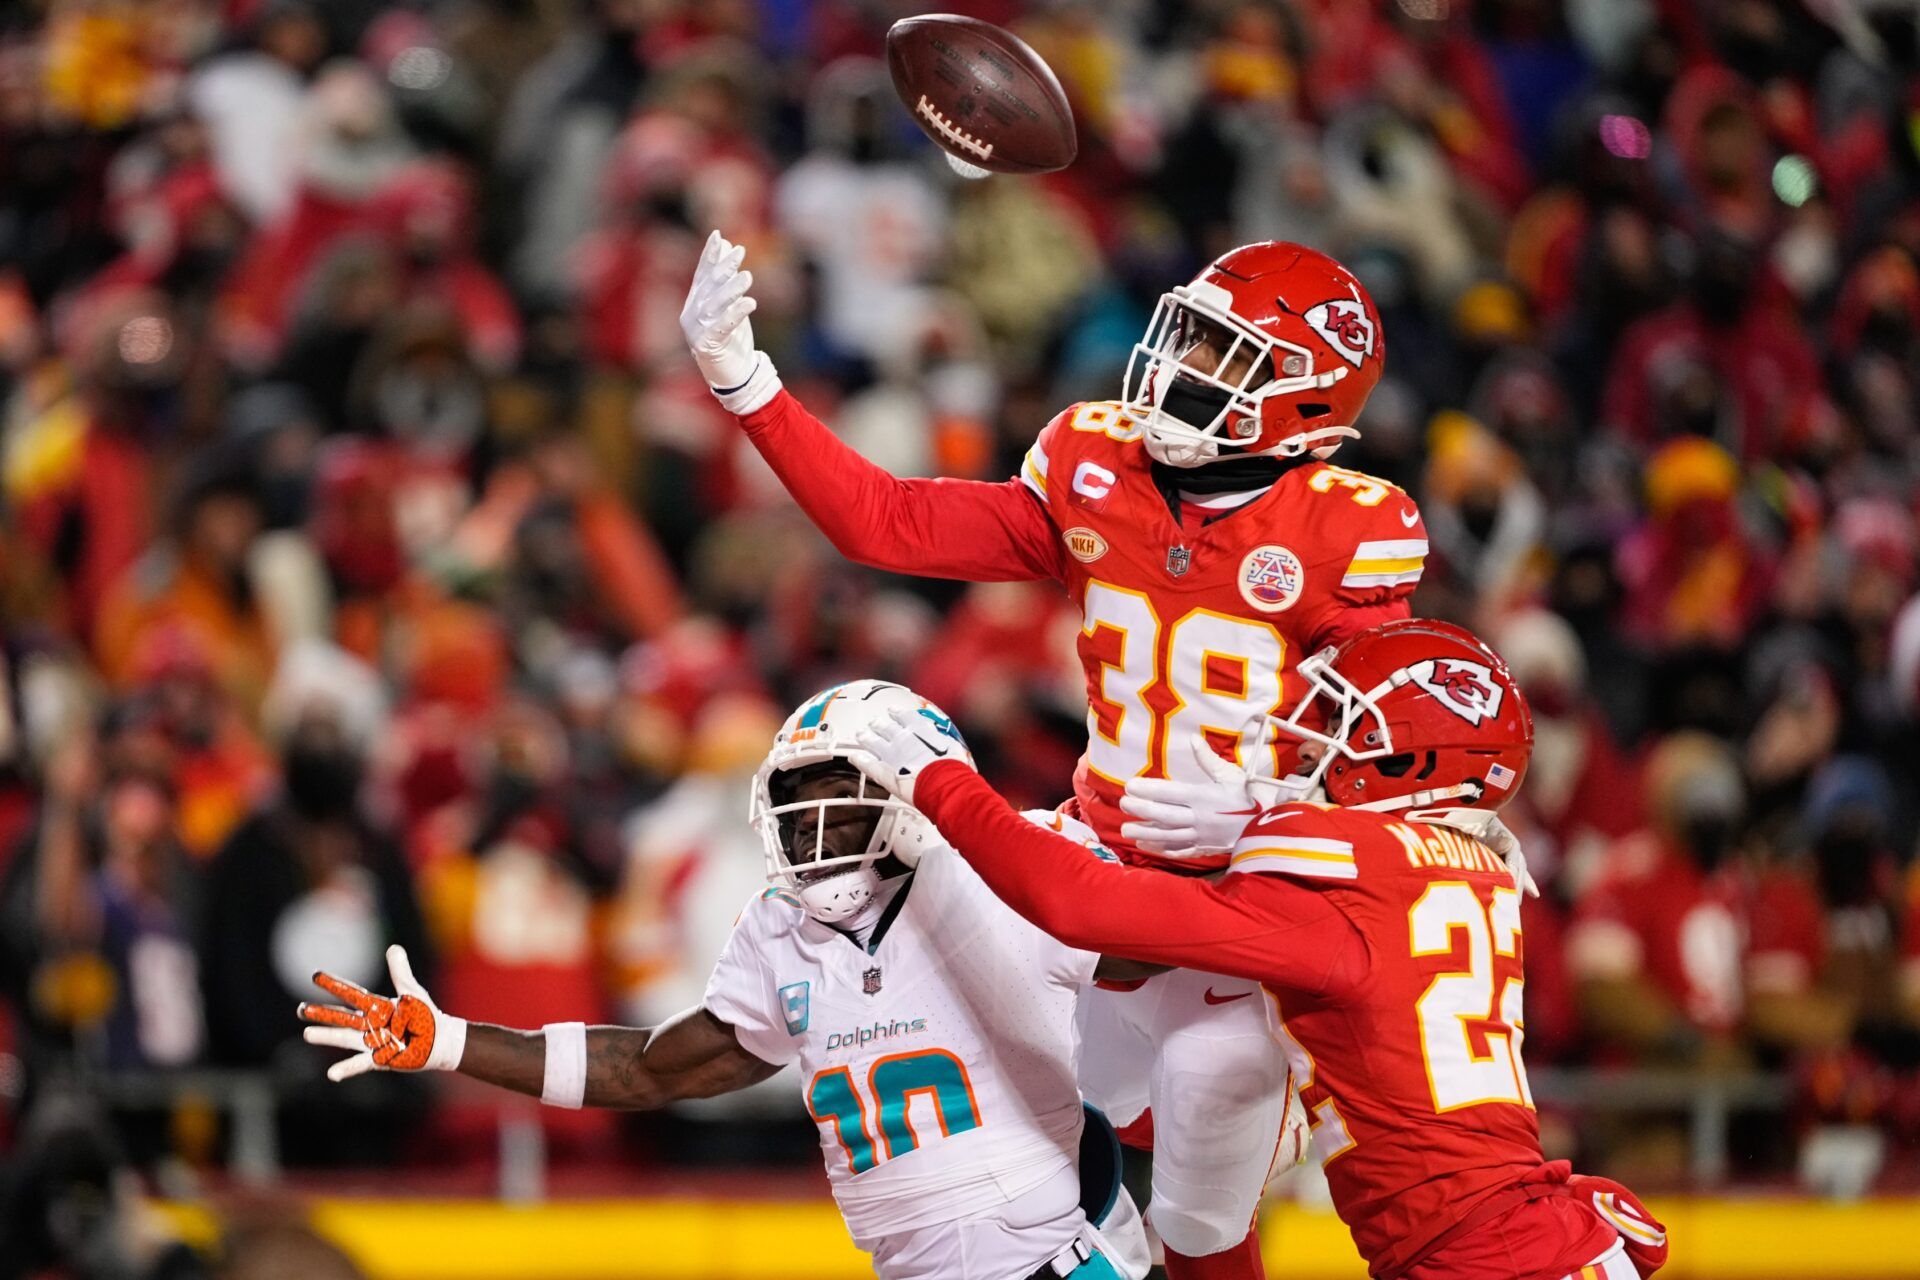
(565, 1081)
(761, 386)
(449, 1042)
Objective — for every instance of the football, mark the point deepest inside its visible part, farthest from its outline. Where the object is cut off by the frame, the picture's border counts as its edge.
(981, 93)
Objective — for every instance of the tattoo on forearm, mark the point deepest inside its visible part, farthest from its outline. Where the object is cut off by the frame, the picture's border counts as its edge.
(693, 1055)
(617, 1074)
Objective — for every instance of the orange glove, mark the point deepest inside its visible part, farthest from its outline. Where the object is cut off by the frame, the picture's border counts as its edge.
(387, 1034)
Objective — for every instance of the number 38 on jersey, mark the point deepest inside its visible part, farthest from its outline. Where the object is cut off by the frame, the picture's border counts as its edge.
(1161, 682)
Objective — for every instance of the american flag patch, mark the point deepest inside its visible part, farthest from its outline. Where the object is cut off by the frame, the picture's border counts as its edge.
(1498, 775)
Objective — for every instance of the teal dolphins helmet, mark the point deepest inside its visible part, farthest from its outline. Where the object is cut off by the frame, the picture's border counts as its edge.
(820, 738)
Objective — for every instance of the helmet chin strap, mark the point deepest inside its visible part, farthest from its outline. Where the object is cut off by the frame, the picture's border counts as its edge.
(1422, 799)
(1310, 441)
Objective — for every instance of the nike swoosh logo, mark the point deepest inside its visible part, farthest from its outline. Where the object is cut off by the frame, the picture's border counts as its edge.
(1409, 518)
(1211, 998)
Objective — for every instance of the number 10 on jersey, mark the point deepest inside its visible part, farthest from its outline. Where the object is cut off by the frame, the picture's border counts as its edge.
(892, 1083)
(1159, 684)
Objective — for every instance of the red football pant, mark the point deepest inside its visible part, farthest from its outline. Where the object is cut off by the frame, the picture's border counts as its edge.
(1544, 1239)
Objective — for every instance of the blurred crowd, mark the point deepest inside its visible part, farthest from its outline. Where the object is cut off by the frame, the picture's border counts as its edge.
(375, 567)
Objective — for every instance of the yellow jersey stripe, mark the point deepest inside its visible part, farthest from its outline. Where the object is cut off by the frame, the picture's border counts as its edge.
(1289, 864)
(1402, 565)
(1294, 851)
(1035, 480)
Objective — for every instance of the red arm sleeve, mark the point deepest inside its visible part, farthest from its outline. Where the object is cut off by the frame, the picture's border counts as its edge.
(1340, 626)
(1247, 926)
(966, 529)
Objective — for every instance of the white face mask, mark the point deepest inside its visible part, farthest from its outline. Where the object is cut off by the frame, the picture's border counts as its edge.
(831, 889)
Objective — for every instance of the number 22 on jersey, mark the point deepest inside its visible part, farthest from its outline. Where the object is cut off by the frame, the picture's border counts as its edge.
(892, 1084)
(1457, 1001)
(1160, 683)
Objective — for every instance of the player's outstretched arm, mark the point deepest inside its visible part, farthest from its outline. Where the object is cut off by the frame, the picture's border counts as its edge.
(694, 1055)
(1257, 927)
(966, 529)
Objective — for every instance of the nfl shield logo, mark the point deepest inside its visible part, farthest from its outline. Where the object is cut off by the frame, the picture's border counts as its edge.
(870, 981)
(1179, 559)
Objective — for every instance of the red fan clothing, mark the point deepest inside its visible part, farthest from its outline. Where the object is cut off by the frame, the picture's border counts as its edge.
(1194, 617)
(1393, 953)
(1703, 939)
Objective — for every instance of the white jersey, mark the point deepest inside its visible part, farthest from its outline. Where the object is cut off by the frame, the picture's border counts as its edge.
(939, 1060)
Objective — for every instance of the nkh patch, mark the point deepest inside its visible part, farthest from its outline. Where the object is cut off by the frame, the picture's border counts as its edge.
(794, 999)
(1179, 560)
(1343, 322)
(1083, 544)
(870, 981)
(1467, 689)
(1272, 578)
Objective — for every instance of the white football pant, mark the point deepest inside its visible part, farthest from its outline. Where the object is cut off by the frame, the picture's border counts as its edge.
(1198, 1049)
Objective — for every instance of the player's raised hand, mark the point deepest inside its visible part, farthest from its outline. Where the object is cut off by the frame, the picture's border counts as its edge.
(403, 1032)
(905, 744)
(715, 324)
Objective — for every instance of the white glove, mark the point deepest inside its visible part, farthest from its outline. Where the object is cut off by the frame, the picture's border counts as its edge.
(903, 745)
(1485, 826)
(1502, 841)
(388, 1034)
(714, 323)
(1201, 819)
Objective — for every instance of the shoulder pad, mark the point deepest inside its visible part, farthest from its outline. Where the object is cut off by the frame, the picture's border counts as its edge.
(1369, 529)
(1300, 839)
(1356, 487)
(1098, 418)
(1077, 425)
(771, 913)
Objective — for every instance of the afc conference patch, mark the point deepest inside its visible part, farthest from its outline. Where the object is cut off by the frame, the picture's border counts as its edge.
(870, 981)
(794, 999)
(1271, 578)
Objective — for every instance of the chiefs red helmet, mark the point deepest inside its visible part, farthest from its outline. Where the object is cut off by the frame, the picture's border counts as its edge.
(1414, 714)
(1297, 349)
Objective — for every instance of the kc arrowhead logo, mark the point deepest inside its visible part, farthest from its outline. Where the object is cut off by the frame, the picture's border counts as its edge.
(1465, 688)
(1346, 327)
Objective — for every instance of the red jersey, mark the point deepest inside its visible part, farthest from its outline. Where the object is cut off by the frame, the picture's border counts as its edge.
(1414, 1080)
(1193, 620)
(1393, 952)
